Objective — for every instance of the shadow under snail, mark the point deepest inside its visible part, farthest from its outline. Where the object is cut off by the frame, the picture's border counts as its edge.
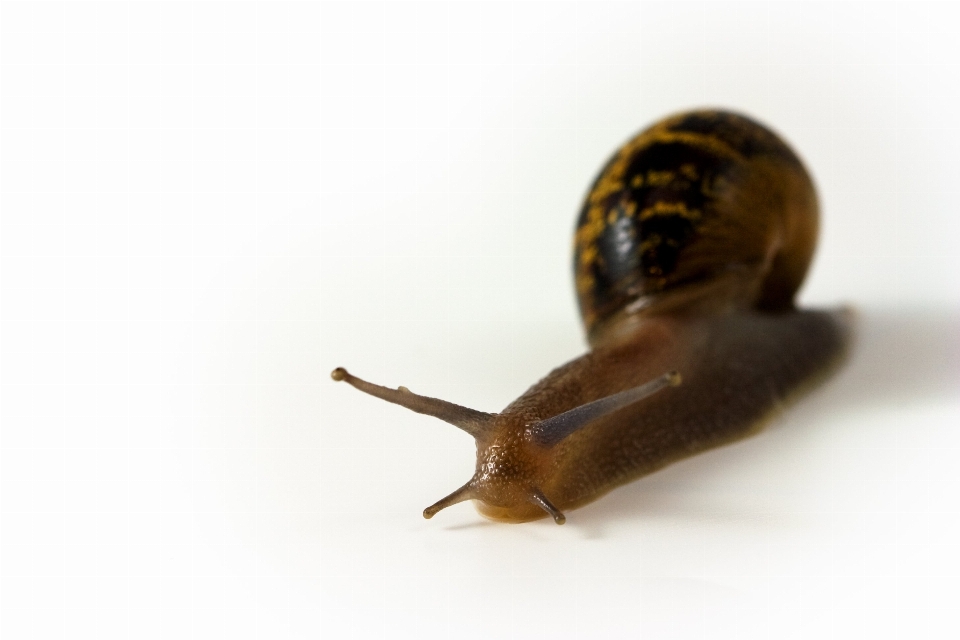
(689, 249)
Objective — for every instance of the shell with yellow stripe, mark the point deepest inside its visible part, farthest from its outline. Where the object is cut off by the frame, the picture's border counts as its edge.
(703, 210)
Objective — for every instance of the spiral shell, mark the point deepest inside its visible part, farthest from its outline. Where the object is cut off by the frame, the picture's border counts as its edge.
(701, 201)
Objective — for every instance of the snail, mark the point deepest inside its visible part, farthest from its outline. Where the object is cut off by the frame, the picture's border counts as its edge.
(689, 250)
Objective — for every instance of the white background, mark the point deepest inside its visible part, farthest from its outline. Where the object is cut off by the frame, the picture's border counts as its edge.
(207, 207)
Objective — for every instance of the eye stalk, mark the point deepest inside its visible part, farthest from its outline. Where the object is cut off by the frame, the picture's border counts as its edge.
(551, 431)
(476, 423)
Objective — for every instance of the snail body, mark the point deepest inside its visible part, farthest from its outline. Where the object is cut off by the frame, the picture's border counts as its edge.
(689, 249)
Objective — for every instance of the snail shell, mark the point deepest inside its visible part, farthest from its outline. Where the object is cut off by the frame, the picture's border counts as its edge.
(704, 210)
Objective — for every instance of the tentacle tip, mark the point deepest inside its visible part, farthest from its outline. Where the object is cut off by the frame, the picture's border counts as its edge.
(429, 512)
(559, 518)
(674, 378)
(339, 374)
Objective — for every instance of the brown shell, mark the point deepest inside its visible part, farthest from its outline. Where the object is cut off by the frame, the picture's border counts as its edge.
(702, 206)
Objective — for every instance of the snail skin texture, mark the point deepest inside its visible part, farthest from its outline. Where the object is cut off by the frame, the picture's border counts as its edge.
(689, 249)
